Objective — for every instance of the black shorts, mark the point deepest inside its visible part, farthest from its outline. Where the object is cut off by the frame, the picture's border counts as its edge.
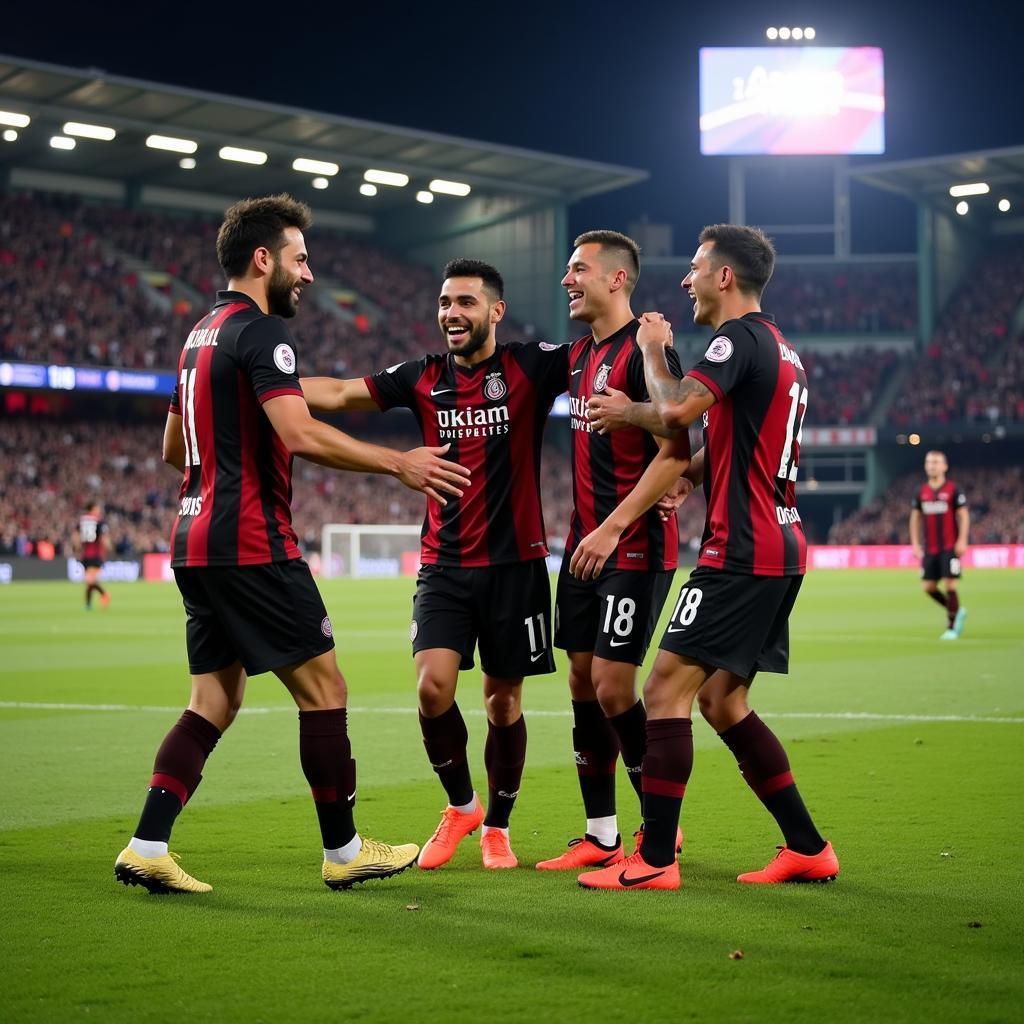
(735, 622)
(92, 563)
(613, 616)
(943, 566)
(505, 610)
(265, 616)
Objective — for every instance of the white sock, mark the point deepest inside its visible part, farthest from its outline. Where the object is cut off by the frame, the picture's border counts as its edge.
(346, 853)
(494, 828)
(465, 808)
(604, 830)
(148, 847)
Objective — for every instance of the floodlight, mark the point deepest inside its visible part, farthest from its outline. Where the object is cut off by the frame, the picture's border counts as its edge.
(89, 131)
(171, 144)
(242, 156)
(395, 178)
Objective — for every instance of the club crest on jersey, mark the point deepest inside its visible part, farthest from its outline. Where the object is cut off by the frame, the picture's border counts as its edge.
(413, 630)
(326, 628)
(494, 388)
(601, 377)
(284, 358)
(546, 346)
(719, 350)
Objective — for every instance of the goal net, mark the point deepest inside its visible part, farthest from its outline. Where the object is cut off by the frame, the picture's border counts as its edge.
(369, 549)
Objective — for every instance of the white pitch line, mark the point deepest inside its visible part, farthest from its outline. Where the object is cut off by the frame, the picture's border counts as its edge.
(839, 716)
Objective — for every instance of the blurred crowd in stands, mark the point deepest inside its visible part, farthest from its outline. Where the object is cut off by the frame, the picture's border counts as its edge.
(995, 497)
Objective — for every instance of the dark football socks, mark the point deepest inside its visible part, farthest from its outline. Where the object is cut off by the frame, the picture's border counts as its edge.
(631, 729)
(952, 606)
(938, 597)
(666, 770)
(504, 755)
(89, 589)
(445, 738)
(596, 749)
(326, 757)
(765, 767)
(177, 772)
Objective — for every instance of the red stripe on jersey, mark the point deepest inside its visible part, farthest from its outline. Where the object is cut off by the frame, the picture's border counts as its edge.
(253, 543)
(374, 393)
(176, 409)
(708, 383)
(202, 412)
(472, 520)
(430, 543)
(526, 507)
(268, 395)
(719, 456)
(585, 513)
(282, 462)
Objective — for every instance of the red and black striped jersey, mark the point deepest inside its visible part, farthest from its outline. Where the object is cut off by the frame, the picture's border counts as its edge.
(235, 501)
(606, 467)
(938, 505)
(91, 531)
(493, 415)
(752, 449)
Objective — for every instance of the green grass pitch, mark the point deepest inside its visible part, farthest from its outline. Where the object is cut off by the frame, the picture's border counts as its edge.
(907, 750)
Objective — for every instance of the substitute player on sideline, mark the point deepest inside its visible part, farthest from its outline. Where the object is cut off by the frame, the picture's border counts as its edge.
(92, 545)
(942, 507)
(604, 620)
(731, 619)
(484, 578)
(237, 418)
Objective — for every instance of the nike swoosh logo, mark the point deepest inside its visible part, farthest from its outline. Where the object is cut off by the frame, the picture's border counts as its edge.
(623, 880)
(574, 372)
(352, 795)
(677, 629)
(443, 391)
(617, 643)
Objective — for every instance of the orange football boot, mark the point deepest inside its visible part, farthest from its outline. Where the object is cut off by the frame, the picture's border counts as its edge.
(583, 853)
(454, 827)
(790, 866)
(497, 852)
(632, 873)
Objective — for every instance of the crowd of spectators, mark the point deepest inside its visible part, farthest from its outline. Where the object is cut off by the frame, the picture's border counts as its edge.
(971, 369)
(995, 497)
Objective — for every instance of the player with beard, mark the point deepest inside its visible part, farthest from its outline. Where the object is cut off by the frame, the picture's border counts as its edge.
(484, 579)
(620, 554)
(236, 420)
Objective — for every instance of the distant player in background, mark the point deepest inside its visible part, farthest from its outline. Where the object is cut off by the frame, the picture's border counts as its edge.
(617, 568)
(484, 579)
(942, 507)
(731, 619)
(236, 419)
(92, 545)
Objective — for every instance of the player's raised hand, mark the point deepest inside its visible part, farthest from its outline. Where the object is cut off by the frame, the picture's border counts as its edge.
(655, 331)
(607, 410)
(673, 497)
(594, 550)
(424, 470)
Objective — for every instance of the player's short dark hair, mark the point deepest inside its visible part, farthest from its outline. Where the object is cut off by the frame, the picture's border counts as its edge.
(493, 281)
(749, 251)
(620, 246)
(257, 223)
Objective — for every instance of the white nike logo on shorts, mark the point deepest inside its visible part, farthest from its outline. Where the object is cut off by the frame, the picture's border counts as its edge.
(618, 643)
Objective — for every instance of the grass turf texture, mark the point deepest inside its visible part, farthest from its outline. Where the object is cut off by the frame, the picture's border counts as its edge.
(925, 817)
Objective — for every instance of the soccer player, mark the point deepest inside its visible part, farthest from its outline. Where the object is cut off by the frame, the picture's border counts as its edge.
(92, 544)
(609, 597)
(484, 579)
(731, 618)
(237, 418)
(943, 508)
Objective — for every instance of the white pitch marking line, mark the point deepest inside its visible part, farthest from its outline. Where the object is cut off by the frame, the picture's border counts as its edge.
(840, 716)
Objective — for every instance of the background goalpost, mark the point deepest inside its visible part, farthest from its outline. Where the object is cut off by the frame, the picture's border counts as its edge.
(369, 549)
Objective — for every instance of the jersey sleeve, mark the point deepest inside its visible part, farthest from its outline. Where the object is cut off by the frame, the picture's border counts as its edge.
(175, 405)
(266, 353)
(959, 499)
(546, 365)
(729, 359)
(635, 372)
(395, 387)
(915, 502)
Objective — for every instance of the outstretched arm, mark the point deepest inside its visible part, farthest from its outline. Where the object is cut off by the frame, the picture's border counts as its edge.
(329, 394)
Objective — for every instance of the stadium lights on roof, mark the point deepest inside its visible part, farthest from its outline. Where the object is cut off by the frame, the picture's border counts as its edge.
(62, 142)
(449, 188)
(809, 33)
(10, 135)
(962, 207)
(395, 178)
(772, 33)
(13, 120)
(783, 33)
(1004, 204)
(242, 156)
(187, 163)
(366, 189)
(171, 144)
(424, 197)
(914, 438)
(302, 163)
(978, 188)
(89, 131)
(798, 33)
(320, 183)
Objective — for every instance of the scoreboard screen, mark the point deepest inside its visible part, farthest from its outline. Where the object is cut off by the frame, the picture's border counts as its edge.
(791, 100)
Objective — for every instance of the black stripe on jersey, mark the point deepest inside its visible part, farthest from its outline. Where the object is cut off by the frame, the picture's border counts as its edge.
(790, 546)
(606, 499)
(223, 536)
(448, 532)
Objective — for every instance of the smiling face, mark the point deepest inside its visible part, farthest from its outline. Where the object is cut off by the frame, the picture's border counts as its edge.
(466, 314)
(702, 285)
(290, 275)
(588, 283)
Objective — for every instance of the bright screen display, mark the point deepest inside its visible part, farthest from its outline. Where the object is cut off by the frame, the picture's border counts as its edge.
(791, 100)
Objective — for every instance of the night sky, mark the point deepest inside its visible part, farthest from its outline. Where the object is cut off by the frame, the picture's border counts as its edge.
(615, 82)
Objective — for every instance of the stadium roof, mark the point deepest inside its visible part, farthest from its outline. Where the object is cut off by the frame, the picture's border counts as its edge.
(52, 94)
(931, 178)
